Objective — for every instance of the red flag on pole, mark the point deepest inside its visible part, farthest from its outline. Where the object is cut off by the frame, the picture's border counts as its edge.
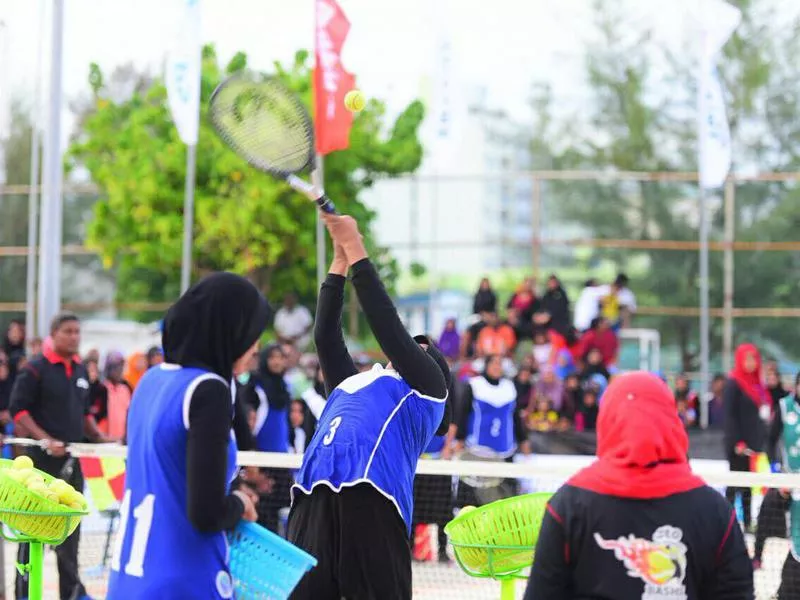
(332, 121)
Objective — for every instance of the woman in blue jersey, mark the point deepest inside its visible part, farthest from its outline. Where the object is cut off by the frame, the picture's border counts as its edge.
(181, 450)
(353, 501)
(490, 428)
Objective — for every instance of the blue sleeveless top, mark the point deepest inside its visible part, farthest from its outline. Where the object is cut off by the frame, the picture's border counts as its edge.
(373, 430)
(158, 553)
(491, 425)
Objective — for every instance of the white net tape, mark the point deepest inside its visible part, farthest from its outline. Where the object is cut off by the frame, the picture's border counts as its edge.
(434, 579)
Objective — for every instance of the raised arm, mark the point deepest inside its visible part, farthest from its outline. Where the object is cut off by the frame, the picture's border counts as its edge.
(408, 358)
(334, 359)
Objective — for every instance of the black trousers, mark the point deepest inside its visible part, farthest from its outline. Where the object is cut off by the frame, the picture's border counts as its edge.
(740, 464)
(359, 540)
(790, 580)
(69, 581)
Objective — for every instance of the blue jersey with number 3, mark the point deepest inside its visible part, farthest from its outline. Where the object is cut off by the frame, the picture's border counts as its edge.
(373, 430)
(158, 553)
(491, 425)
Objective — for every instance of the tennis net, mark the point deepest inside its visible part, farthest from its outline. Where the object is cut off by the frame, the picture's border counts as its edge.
(441, 488)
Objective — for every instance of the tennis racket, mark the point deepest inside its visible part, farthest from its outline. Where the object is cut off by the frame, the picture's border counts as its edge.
(267, 125)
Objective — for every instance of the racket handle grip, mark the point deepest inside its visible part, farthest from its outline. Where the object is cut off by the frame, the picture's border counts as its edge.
(325, 205)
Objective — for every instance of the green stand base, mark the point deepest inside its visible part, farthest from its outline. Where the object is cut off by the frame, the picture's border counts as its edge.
(34, 569)
(507, 589)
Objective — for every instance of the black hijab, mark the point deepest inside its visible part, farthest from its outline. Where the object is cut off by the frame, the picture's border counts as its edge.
(273, 383)
(214, 323)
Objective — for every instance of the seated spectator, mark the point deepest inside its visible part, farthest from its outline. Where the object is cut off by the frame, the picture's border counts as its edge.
(470, 338)
(155, 356)
(556, 304)
(14, 347)
(593, 365)
(587, 307)
(586, 417)
(485, 299)
(522, 329)
(683, 392)
(715, 408)
(603, 338)
(542, 350)
(549, 387)
(524, 383)
(525, 301)
(543, 417)
(565, 364)
(449, 341)
(686, 413)
(495, 338)
(571, 397)
(135, 368)
(626, 299)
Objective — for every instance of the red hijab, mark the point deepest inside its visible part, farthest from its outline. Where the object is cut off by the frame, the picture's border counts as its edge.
(749, 383)
(642, 445)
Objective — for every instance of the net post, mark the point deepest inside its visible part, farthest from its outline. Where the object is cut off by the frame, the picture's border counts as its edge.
(188, 217)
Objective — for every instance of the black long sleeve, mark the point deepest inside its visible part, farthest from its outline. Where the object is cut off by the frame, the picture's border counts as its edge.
(209, 507)
(462, 414)
(733, 575)
(550, 579)
(334, 359)
(520, 433)
(408, 358)
(774, 447)
(732, 421)
(241, 428)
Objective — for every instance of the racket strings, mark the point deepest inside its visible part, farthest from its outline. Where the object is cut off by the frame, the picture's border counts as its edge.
(265, 123)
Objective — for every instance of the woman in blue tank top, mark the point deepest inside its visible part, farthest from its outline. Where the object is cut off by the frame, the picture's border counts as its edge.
(182, 453)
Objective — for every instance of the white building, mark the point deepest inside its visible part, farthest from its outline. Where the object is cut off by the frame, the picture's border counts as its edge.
(465, 212)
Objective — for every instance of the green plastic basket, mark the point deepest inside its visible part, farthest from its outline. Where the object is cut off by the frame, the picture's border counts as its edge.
(32, 515)
(498, 539)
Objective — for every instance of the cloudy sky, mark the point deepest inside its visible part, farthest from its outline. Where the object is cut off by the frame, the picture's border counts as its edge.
(501, 45)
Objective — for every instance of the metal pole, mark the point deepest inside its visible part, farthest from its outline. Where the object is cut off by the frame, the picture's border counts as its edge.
(319, 179)
(33, 193)
(536, 226)
(730, 226)
(52, 174)
(433, 272)
(188, 218)
(704, 307)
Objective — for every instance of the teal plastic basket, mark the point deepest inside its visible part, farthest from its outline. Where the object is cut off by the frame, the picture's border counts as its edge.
(264, 566)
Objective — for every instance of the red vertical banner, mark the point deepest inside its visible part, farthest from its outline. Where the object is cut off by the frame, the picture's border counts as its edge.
(332, 121)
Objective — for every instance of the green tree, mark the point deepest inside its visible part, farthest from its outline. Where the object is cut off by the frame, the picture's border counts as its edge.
(641, 117)
(245, 221)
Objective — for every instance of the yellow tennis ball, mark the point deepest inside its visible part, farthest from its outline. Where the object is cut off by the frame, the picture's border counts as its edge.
(354, 101)
(661, 567)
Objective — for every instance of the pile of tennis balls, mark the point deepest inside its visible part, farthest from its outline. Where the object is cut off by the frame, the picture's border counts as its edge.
(57, 490)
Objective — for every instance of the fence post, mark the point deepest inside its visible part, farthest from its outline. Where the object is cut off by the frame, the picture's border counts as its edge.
(727, 309)
(536, 226)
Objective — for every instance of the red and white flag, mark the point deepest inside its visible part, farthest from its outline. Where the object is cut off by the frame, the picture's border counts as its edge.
(332, 121)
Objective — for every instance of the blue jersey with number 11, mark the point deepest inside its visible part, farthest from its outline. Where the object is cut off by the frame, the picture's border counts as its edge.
(158, 553)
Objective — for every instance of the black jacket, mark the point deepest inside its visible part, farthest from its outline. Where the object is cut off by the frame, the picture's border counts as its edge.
(55, 394)
(599, 547)
(556, 303)
(742, 421)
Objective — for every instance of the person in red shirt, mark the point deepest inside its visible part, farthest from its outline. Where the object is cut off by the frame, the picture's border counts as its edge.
(602, 337)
